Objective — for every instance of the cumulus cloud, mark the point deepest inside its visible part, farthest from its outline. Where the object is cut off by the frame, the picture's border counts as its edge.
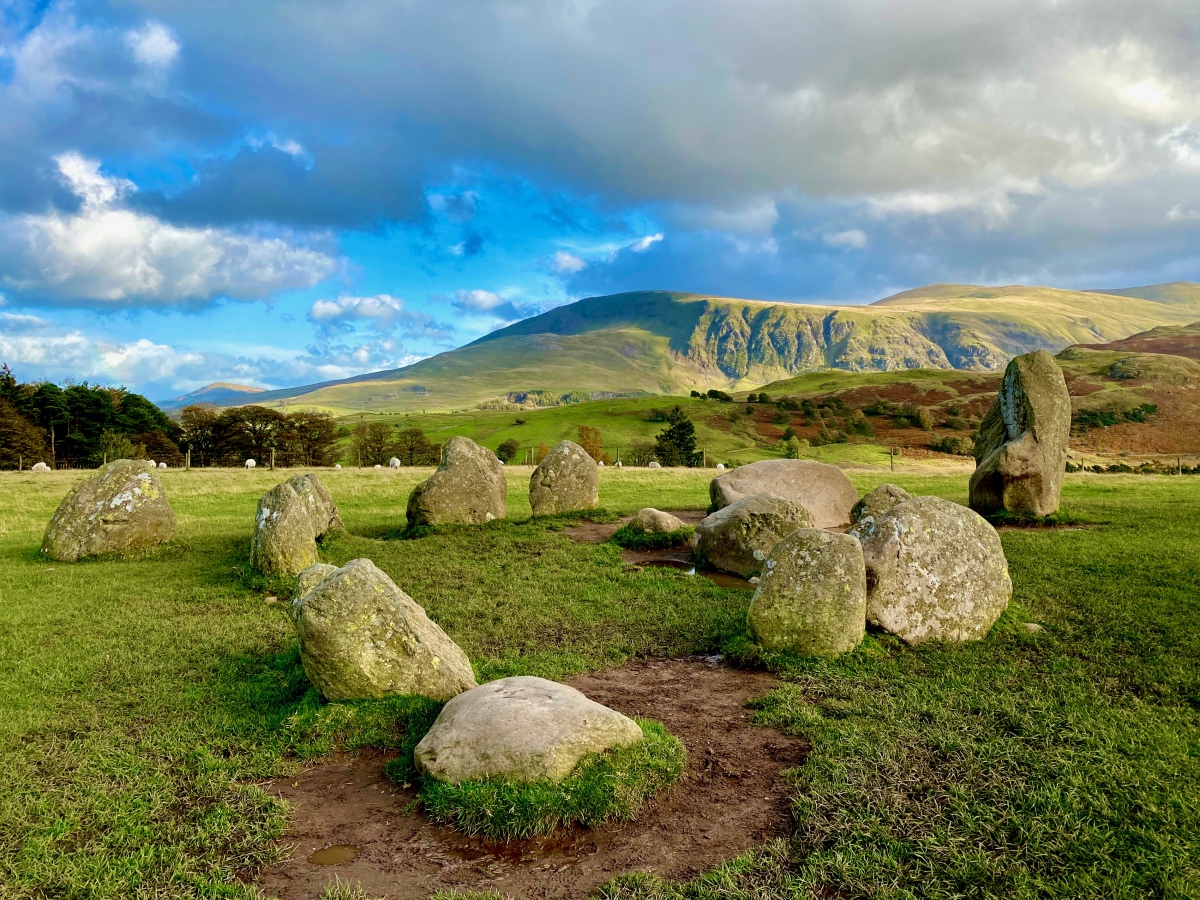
(107, 255)
(851, 238)
(152, 45)
(498, 309)
(565, 263)
(383, 312)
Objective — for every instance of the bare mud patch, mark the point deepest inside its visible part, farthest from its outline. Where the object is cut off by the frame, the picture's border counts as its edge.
(731, 798)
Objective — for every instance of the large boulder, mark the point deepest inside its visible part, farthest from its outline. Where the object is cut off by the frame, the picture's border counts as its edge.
(1021, 452)
(468, 488)
(935, 571)
(291, 518)
(363, 637)
(123, 507)
(823, 490)
(878, 502)
(812, 598)
(739, 537)
(655, 521)
(566, 480)
(519, 729)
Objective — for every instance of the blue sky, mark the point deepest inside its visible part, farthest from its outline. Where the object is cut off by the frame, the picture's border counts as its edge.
(281, 193)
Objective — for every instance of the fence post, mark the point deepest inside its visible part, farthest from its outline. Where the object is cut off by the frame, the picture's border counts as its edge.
(189, 459)
(272, 459)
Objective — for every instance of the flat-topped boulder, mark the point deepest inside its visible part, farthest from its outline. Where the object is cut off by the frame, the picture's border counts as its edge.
(291, 518)
(519, 729)
(568, 479)
(878, 502)
(935, 571)
(739, 537)
(655, 521)
(362, 637)
(823, 490)
(121, 508)
(468, 488)
(812, 597)
(1021, 452)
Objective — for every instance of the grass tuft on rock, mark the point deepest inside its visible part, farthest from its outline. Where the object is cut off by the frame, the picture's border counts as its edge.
(605, 787)
(629, 539)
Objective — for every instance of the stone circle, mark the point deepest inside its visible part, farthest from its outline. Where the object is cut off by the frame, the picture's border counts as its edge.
(291, 518)
(738, 538)
(568, 479)
(468, 488)
(823, 490)
(655, 521)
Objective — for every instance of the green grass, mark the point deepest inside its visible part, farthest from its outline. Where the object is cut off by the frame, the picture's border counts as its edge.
(629, 539)
(145, 701)
(607, 787)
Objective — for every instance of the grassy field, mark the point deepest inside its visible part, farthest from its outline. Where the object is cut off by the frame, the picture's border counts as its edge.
(144, 701)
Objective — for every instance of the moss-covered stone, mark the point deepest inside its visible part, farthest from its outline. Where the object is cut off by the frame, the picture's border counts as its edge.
(122, 508)
(291, 518)
(468, 488)
(655, 521)
(363, 637)
(1021, 452)
(566, 480)
(935, 571)
(878, 502)
(739, 537)
(812, 599)
(520, 729)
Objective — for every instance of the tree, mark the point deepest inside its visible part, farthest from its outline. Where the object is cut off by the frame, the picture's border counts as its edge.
(542, 451)
(925, 418)
(199, 434)
(114, 445)
(373, 443)
(640, 453)
(250, 432)
(412, 448)
(592, 442)
(794, 447)
(160, 448)
(676, 444)
(21, 442)
(311, 438)
(508, 450)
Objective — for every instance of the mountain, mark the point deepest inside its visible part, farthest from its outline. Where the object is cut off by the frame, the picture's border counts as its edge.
(220, 393)
(1174, 340)
(1179, 293)
(665, 342)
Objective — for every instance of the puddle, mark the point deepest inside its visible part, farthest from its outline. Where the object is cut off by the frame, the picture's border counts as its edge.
(720, 579)
(335, 855)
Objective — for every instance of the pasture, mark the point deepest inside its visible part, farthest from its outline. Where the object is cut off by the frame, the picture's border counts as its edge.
(144, 703)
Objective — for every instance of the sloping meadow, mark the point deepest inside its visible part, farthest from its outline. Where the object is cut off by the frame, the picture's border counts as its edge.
(145, 701)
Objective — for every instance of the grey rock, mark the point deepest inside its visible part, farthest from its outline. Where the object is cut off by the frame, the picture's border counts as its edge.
(935, 571)
(812, 597)
(823, 490)
(1021, 452)
(122, 508)
(363, 637)
(519, 729)
(292, 517)
(468, 488)
(655, 521)
(879, 501)
(566, 480)
(740, 537)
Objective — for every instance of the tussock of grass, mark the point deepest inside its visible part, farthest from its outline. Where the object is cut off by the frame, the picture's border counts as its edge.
(611, 787)
(662, 540)
(1060, 519)
(393, 723)
(343, 890)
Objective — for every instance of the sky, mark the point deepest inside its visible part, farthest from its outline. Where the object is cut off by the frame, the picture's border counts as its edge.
(280, 193)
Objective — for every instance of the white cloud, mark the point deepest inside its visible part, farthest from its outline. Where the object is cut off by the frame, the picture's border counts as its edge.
(641, 245)
(383, 312)
(851, 238)
(106, 254)
(153, 45)
(477, 301)
(565, 263)
(1178, 213)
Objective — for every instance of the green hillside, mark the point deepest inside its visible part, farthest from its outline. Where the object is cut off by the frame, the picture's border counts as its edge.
(1179, 293)
(664, 342)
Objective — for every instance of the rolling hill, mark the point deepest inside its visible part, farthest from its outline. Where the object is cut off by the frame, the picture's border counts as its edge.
(1173, 340)
(221, 393)
(665, 342)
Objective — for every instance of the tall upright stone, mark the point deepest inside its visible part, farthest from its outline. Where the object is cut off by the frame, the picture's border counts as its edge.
(291, 518)
(468, 488)
(1021, 453)
(566, 480)
(122, 508)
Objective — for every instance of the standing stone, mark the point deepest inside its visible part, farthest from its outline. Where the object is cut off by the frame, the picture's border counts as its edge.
(655, 521)
(566, 480)
(292, 517)
(879, 501)
(468, 488)
(812, 597)
(935, 571)
(362, 637)
(1021, 453)
(823, 490)
(123, 507)
(740, 537)
(519, 729)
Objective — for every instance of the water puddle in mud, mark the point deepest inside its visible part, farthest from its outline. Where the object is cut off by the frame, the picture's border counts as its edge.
(720, 579)
(335, 855)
